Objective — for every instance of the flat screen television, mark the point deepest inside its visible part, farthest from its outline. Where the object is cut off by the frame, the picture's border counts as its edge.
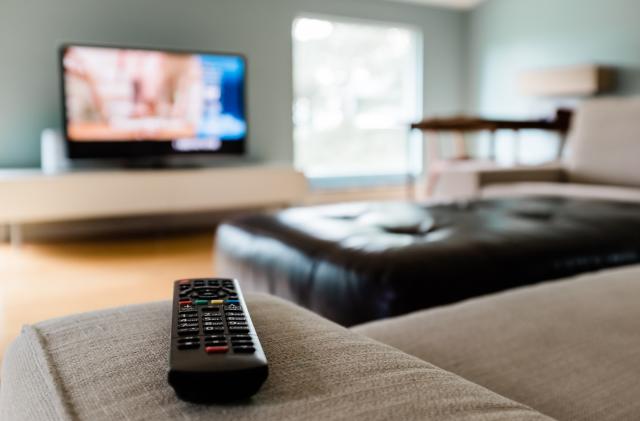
(121, 102)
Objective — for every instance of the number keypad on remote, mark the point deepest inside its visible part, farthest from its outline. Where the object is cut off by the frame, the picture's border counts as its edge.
(211, 318)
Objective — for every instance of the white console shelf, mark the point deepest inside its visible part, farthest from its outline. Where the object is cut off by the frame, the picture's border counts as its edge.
(28, 196)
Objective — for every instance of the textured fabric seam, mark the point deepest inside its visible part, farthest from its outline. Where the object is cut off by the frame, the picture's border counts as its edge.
(63, 400)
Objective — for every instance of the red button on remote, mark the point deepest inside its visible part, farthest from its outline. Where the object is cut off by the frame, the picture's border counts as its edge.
(183, 302)
(216, 349)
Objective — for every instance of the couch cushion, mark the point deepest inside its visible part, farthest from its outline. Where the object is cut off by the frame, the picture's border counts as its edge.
(570, 349)
(604, 142)
(112, 365)
(569, 190)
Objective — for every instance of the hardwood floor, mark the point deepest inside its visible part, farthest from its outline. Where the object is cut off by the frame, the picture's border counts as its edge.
(41, 281)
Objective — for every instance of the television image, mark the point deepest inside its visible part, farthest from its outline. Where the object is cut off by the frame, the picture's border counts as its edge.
(131, 102)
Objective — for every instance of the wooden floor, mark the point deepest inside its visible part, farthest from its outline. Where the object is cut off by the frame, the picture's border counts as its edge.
(41, 281)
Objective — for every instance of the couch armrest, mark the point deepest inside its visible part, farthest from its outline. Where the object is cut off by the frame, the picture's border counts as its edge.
(112, 364)
(465, 182)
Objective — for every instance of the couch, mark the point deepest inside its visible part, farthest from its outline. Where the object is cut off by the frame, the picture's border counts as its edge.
(600, 161)
(563, 350)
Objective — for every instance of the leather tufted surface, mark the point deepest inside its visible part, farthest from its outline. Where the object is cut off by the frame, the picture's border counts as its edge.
(358, 262)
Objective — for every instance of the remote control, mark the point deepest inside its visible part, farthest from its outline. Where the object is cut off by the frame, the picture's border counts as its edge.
(215, 353)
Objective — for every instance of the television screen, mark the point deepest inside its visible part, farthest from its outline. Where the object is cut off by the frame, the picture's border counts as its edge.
(129, 102)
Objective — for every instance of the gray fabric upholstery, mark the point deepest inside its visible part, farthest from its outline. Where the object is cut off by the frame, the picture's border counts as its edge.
(569, 349)
(602, 149)
(571, 190)
(111, 365)
(604, 142)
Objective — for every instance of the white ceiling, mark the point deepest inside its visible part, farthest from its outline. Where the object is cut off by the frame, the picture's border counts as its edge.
(454, 4)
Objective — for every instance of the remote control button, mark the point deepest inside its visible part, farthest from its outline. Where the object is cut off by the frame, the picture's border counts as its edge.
(241, 343)
(213, 324)
(234, 323)
(187, 325)
(232, 302)
(184, 302)
(214, 302)
(205, 292)
(236, 318)
(215, 338)
(216, 343)
(233, 314)
(188, 313)
(216, 349)
(189, 345)
(212, 329)
(201, 302)
(188, 331)
(189, 339)
(187, 307)
(238, 329)
(212, 319)
(188, 320)
(198, 283)
(210, 309)
(244, 349)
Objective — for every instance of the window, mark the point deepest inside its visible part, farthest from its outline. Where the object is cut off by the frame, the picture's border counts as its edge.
(356, 90)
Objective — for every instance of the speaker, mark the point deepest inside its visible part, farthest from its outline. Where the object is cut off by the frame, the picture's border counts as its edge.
(53, 152)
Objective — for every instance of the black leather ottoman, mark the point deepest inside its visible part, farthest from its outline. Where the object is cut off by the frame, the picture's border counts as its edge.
(358, 262)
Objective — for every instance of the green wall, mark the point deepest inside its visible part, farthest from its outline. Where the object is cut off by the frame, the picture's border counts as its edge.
(471, 59)
(506, 36)
(31, 30)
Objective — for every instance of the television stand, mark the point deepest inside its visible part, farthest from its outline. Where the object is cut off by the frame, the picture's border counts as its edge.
(30, 196)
